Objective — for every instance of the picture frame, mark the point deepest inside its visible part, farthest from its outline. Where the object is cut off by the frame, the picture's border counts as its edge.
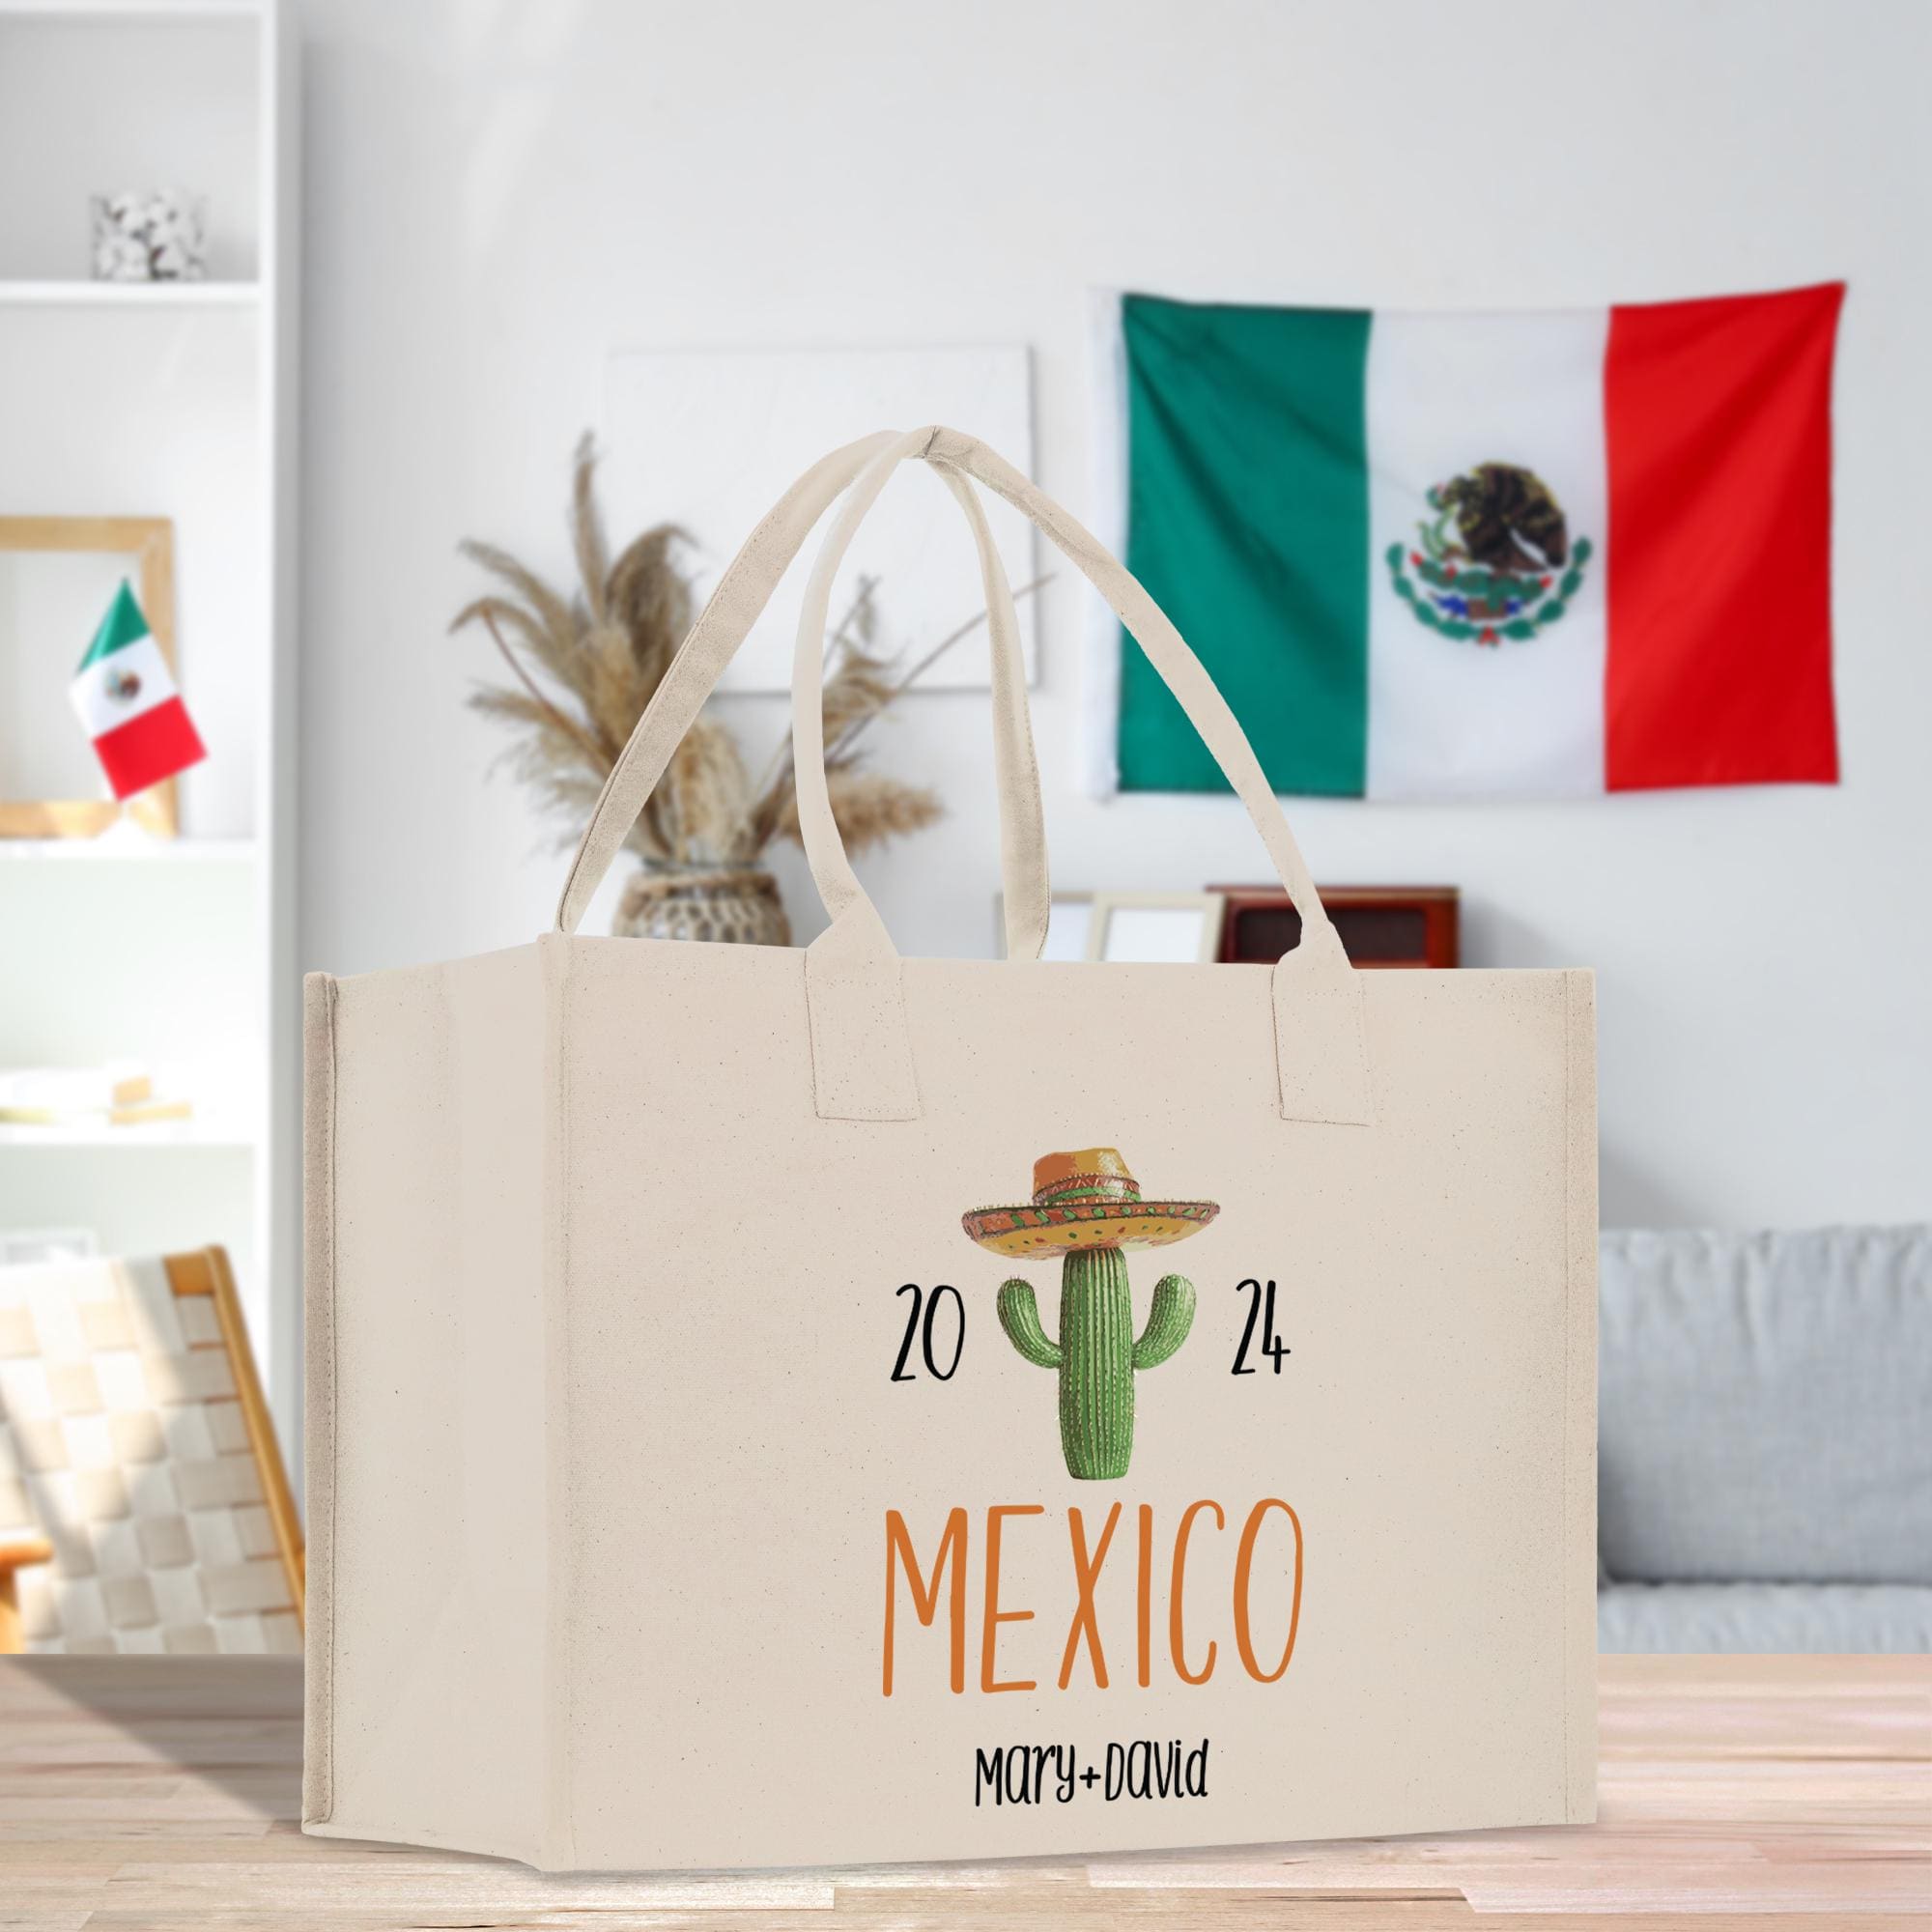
(148, 543)
(1073, 917)
(1381, 926)
(1156, 929)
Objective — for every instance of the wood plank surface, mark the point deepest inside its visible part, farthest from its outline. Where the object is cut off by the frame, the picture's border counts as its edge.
(151, 1794)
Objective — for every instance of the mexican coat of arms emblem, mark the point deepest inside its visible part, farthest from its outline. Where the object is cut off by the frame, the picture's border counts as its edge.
(1496, 561)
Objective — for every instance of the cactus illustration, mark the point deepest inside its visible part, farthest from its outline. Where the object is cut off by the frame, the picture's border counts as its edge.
(1096, 1354)
(1086, 1211)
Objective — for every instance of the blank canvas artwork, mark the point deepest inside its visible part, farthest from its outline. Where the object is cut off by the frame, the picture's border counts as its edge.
(707, 439)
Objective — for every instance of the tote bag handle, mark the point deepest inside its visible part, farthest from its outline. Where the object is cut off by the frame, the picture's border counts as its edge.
(862, 1061)
(734, 606)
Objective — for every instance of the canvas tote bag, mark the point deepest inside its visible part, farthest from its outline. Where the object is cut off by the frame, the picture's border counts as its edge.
(771, 1406)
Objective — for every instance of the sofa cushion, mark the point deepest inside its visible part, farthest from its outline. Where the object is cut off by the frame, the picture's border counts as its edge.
(1829, 1617)
(1766, 1407)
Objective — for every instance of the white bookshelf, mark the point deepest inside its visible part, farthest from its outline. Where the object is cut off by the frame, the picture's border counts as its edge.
(128, 294)
(92, 852)
(174, 401)
(204, 1132)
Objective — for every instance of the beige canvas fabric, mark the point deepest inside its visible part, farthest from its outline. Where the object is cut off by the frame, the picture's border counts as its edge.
(689, 1488)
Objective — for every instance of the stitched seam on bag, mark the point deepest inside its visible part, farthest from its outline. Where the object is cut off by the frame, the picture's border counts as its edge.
(905, 1036)
(1296, 1106)
(1568, 1339)
(836, 1097)
(334, 1386)
(820, 1100)
(1363, 1071)
(325, 1741)
(557, 1537)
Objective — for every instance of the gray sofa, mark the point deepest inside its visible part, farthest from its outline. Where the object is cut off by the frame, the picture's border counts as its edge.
(1764, 1441)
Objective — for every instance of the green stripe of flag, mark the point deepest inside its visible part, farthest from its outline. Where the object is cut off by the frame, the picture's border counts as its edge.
(123, 625)
(1248, 523)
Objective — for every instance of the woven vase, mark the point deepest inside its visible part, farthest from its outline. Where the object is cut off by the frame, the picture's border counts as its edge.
(735, 906)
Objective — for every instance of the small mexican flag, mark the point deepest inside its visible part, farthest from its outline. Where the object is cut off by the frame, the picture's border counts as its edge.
(1438, 555)
(125, 695)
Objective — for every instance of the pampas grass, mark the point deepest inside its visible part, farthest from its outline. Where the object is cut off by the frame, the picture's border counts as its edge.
(586, 663)
(869, 809)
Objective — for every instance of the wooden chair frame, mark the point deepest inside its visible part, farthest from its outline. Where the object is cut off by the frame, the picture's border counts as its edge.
(205, 1271)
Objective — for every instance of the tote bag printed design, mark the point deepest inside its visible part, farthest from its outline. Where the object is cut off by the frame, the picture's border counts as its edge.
(1087, 1209)
(703, 1473)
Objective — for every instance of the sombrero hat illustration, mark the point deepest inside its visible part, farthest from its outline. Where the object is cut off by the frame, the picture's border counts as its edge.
(1088, 1199)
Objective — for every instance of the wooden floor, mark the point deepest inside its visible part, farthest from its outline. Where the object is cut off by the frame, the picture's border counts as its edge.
(162, 1793)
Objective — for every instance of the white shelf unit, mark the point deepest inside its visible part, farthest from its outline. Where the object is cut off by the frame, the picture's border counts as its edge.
(99, 852)
(234, 1136)
(128, 294)
(174, 401)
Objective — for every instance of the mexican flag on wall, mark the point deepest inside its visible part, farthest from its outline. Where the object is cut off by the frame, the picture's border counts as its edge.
(1454, 556)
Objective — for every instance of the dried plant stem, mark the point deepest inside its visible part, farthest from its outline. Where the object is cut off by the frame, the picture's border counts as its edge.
(776, 792)
(586, 662)
(845, 740)
(561, 719)
(861, 601)
(841, 635)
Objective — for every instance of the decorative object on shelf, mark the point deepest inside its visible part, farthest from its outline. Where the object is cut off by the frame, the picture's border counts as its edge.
(116, 1095)
(1476, 556)
(734, 905)
(1378, 925)
(159, 237)
(1154, 929)
(125, 696)
(139, 1447)
(56, 573)
(20, 1245)
(586, 664)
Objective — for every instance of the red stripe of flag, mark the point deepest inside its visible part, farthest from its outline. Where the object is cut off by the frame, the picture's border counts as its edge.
(146, 749)
(1718, 418)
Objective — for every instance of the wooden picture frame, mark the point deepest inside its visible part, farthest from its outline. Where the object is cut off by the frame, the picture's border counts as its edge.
(1381, 926)
(150, 541)
(1104, 932)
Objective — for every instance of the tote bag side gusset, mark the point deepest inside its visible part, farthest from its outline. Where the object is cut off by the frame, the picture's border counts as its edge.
(424, 1234)
(318, 1371)
(552, 1651)
(1579, 1447)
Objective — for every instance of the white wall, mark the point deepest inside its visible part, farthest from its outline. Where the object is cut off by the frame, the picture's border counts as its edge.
(499, 194)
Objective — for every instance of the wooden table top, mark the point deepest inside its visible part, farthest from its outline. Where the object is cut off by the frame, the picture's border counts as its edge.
(157, 1793)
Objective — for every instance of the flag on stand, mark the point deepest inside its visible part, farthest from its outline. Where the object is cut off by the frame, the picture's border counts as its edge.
(126, 696)
(1439, 555)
